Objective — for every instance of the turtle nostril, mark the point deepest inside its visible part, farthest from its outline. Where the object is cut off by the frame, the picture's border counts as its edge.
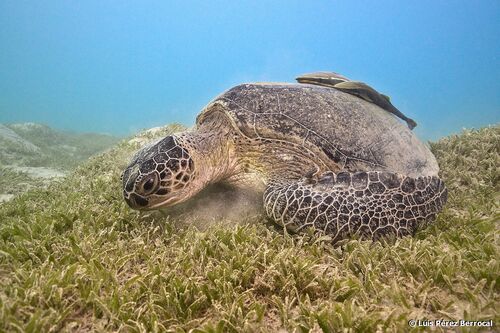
(129, 186)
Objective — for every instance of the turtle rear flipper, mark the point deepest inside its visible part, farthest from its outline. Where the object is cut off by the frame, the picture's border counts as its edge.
(369, 204)
(364, 91)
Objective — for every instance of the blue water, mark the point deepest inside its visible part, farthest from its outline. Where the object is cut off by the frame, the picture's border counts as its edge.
(117, 67)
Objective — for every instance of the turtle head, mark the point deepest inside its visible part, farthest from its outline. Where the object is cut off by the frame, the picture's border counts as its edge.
(160, 174)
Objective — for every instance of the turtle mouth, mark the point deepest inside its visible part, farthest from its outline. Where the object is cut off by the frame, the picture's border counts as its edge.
(136, 201)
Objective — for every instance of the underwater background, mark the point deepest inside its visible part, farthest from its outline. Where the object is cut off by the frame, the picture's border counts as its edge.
(84, 85)
(117, 67)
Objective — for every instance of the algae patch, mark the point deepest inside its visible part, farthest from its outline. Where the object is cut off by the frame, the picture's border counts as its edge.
(74, 257)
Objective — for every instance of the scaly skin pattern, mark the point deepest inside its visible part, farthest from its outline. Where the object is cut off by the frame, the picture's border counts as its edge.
(367, 204)
(156, 171)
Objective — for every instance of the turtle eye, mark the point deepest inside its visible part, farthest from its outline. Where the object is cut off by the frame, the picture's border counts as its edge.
(149, 185)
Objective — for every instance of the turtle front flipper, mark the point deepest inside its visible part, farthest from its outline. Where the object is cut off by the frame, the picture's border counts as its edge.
(369, 204)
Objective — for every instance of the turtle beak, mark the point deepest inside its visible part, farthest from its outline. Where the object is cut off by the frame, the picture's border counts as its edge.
(136, 201)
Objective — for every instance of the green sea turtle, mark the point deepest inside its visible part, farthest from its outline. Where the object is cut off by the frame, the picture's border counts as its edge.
(360, 89)
(322, 158)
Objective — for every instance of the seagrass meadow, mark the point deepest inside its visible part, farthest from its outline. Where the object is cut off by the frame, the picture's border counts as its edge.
(75, 258)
